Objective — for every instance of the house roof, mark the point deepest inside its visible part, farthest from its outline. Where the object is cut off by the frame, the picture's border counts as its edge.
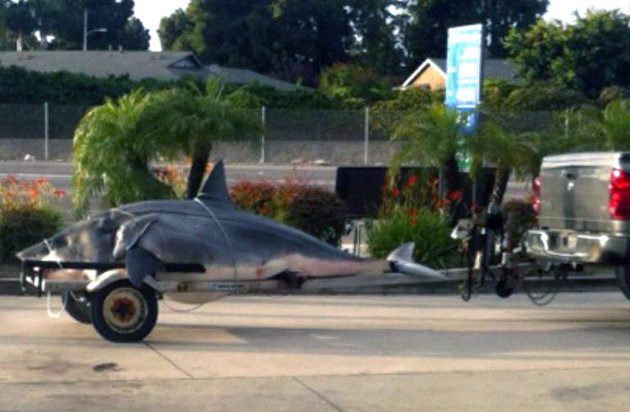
(496, 68)
(137, 64)
(243, 76)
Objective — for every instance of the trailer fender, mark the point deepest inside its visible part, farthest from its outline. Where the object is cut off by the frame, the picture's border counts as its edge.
(106, 279)
(111, 276)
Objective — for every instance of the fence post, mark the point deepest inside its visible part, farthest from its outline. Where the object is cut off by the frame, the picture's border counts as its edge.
(366, 145)
(46, 130)
(263, 111)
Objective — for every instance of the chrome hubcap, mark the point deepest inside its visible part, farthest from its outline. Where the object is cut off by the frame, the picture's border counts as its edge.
(124, 310)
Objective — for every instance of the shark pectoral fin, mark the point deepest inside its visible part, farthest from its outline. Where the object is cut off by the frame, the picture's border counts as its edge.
(141, 263)
(401, 261)
(130, 233)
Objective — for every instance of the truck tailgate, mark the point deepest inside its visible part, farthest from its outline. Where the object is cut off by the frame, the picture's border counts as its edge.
(574, 191)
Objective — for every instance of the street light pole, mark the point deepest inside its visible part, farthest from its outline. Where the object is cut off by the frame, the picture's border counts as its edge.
(86, 33)
(85, 18)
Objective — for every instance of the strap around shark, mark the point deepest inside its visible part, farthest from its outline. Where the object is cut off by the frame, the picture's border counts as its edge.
(215, 188)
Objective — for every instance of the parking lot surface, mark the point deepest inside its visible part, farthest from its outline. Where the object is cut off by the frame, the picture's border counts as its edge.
(328, 353)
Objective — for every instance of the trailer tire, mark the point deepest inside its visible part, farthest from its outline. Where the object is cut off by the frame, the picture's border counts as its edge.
(123, 313)
(77, 308)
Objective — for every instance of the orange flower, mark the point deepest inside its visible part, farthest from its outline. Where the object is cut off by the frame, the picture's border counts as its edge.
(59, 193)
(33, 193)
(413, 212)
(40, 181)
(11, 180)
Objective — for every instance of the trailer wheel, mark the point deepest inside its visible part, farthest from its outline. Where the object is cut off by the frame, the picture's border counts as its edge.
(78, 307)
(124, 313)
(623, 280)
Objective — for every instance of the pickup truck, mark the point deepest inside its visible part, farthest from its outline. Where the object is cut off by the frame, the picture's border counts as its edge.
(583, 206)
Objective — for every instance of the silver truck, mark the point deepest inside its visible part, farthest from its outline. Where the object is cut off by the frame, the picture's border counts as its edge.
(583, 205)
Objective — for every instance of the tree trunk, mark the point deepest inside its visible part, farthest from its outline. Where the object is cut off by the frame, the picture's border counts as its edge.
(501, 179)
(451, 176)
(198, 165)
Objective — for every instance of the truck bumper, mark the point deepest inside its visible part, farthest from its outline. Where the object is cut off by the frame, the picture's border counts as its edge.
(567, 246)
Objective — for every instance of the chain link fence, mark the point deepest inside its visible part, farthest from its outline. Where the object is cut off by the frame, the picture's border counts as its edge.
(45, 131)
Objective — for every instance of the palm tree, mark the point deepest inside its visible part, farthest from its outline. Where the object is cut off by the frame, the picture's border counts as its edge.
(115, 144)
(505, 150)
(587, 128)
(609, 127)
(111, 158)
(189, 120)
(430, 136)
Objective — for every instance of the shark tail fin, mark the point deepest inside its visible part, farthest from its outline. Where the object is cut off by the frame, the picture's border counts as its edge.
(401, 261)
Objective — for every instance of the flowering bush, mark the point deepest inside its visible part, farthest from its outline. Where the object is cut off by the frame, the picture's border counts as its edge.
(261, 197)
(312, 209)
(414, 214)
(27, 214)
(176, 177)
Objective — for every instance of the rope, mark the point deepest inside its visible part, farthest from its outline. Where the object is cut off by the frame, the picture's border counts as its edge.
(176, 310)
(123, 212)
(225, 236)
(52, 251)
(54, 315)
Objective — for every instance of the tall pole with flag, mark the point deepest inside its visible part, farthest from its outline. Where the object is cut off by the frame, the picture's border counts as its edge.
(464, 76)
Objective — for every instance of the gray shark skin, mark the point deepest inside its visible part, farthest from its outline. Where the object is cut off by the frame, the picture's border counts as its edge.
(231, 244)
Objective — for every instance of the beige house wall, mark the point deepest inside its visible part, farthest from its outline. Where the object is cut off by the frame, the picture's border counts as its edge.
(430, 78)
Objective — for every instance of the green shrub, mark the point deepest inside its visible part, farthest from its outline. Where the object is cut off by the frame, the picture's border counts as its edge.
(412, 211)
(311, 209)
(428, 230)
(318, 212)
(27, 215)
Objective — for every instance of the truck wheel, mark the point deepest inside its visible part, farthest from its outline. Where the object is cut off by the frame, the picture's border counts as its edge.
(77, 306)
(124, 313)
(623, 280)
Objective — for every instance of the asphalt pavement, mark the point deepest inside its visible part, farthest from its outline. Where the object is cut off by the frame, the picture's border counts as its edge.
(340, 353)
(60, 174)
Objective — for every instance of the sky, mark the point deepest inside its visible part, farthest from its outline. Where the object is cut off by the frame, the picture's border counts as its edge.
(151, 11)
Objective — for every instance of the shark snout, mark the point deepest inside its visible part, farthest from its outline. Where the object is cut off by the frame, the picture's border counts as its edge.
(36, 252)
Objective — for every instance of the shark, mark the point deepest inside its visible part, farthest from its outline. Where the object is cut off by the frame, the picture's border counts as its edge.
(225, 242)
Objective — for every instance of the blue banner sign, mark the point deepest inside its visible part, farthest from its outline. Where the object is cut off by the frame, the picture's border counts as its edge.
(463, 72)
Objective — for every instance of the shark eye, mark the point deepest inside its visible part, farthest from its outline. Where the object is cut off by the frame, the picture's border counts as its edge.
(58, 241)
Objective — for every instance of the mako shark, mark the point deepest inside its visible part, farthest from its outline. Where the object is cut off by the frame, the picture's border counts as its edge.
(192, 251)
(210, 231)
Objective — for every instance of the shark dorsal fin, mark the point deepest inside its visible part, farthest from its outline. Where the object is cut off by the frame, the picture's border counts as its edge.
(215, 188)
